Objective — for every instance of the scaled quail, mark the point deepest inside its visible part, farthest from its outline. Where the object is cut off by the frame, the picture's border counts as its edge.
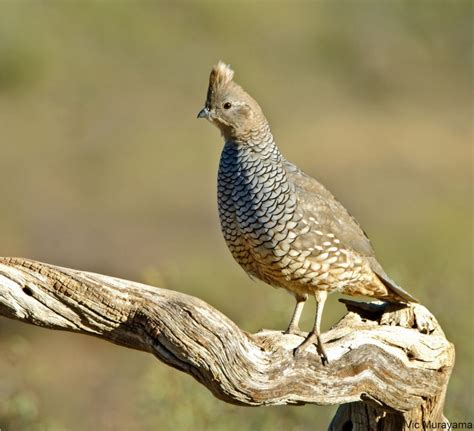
(281, 225)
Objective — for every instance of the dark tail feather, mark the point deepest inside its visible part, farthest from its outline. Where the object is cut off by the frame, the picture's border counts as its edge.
(396, 289)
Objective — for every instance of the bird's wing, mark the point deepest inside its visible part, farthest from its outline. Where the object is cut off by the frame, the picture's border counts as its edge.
(317, 202)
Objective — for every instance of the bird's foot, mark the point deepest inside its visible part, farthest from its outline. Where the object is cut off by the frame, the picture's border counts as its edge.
(313, 339)
(295, 330)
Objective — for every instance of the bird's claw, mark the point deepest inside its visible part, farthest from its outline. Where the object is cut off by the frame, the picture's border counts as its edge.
(312, 339)
(294, 330)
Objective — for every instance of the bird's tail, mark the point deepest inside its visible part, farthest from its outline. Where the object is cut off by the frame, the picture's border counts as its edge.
(396, 289)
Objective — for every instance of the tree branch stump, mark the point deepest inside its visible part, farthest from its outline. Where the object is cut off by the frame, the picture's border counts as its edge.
(388, 365)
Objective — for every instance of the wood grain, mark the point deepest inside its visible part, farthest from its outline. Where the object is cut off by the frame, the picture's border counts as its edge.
(387, 365)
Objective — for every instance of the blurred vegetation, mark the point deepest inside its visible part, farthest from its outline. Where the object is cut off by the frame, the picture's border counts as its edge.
(104, 167)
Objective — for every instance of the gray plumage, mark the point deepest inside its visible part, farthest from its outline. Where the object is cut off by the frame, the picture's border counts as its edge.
(281, 225)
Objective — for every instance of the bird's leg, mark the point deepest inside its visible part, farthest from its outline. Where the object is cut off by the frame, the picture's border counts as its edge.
(293, 327)
(315, 334)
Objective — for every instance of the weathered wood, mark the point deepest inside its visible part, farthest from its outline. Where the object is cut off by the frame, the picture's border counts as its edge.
(387, 365)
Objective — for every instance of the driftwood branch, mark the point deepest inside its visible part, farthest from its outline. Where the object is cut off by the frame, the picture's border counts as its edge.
(387, 366)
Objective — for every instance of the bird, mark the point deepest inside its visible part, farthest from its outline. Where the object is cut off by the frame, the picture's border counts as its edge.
(281, 225)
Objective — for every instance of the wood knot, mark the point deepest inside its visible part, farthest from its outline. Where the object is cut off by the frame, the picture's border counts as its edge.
(347, 426)
(27, 291)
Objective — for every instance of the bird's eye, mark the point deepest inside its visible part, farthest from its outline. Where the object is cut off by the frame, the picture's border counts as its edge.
(227, 105)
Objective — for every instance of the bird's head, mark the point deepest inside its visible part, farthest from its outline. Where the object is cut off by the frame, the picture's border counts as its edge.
(229, 107)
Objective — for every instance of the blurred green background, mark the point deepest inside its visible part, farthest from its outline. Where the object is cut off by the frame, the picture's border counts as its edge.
(104, 167)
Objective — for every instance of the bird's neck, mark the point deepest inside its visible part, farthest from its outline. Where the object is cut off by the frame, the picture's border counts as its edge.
(259, 141)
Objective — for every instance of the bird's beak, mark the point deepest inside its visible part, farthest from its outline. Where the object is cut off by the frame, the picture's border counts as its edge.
(204, 113)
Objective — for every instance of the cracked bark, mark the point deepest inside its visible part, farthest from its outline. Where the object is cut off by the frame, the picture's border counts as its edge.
(388, 365)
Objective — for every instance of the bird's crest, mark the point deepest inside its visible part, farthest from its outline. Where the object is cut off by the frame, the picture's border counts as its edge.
(221, 75)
